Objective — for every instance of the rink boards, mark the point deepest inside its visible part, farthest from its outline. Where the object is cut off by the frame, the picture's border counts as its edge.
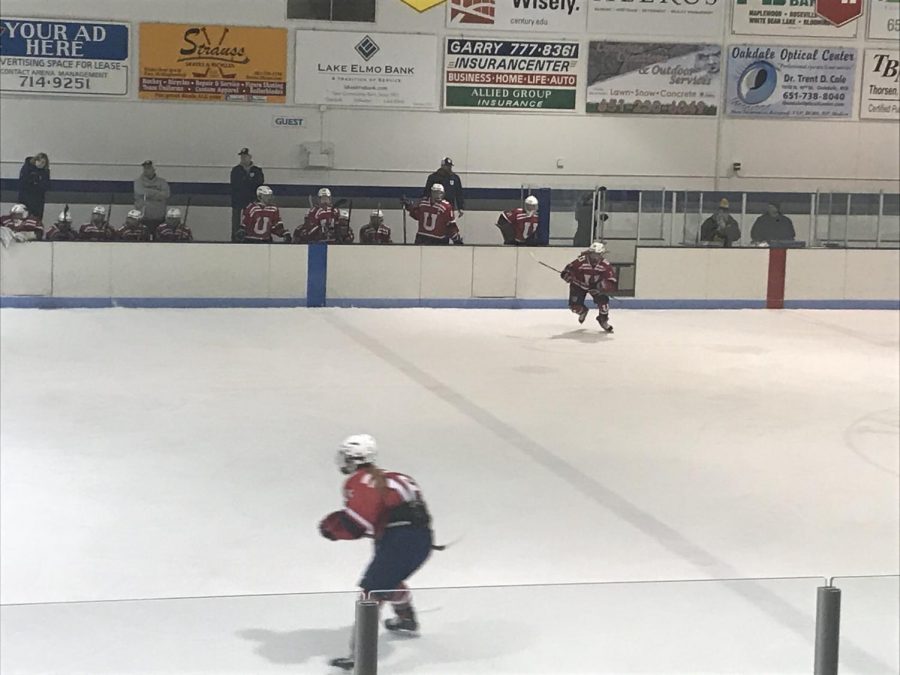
(83, 274)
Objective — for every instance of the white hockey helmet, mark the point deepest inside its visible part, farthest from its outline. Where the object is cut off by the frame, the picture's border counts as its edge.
(173, 213)
(134, 214)
(531, 203)
(376, 216)
(324, 194)
(355, 451)
(19, 211)
(64, 216)
(98, 211)
(264, 193)
(598, 247)
(437, 191)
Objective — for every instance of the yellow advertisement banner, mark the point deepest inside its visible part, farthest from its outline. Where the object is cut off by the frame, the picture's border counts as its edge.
(198, 62)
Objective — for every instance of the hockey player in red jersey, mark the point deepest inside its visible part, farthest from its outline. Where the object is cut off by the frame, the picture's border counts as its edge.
(23, 226)
(62, 230)
(519, 226)
(388, 507)
(173, 228)
(435, 217)
(262, 219)
(319, 223)
(98, 229)
(376, 232)
(591, 273)
(134, 229)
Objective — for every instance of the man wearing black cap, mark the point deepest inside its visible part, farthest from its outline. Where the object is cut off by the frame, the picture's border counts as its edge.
(453, 189)
(245, 178)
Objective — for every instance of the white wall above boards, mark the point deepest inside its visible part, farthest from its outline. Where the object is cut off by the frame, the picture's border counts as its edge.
(686, 19)
(365, 69)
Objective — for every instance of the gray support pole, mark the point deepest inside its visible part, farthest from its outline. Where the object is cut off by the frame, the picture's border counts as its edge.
(640, 208)
(878, 222)
(828, 630)
(366, 646)
(847, 222)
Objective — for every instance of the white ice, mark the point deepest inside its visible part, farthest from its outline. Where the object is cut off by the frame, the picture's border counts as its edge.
(184, 453)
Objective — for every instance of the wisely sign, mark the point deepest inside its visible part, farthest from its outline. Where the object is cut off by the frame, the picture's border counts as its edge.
(558, 16)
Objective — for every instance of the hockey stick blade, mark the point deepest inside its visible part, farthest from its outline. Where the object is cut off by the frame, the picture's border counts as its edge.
(444, 547)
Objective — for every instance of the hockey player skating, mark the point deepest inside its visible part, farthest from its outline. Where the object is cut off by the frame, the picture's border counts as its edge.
(435, 217)
(591, 273)
(519, 226)
(375, 232)
(260, 220)
(98, 228)
(388, 507)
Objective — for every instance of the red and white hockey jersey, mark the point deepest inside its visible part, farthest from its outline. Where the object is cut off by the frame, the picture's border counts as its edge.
(591, 272)
(260, 221)
(523, 224)
(435, 219)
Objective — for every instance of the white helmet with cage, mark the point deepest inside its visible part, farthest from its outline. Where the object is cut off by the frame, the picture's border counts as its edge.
(98, 215)
(376, 217)
(324, 195)
(356, 451)
(65, 216)
(173, 216)
(19, 211)
(598, 247)
(264, 194)
(437, 191)
(134, 215)
(531, 203)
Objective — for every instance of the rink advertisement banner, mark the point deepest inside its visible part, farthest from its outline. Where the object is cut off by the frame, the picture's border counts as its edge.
(653, 78)
(884, 19)
(880, 98)
(502, 74)
(46, 56)
(198, 62)
(795, 18)
(370, 70)
(690, 18)
(556, 16)
(779, 81)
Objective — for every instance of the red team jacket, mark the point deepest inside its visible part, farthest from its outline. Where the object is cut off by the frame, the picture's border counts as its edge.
(29, 224)
(435, 219)
(260, 221)
(55, 233)
(318, 225)
(166, 232)
(374, 234)
(91, 232)
(138, 232)
(366, 510)
(524, 224)
(591, 272)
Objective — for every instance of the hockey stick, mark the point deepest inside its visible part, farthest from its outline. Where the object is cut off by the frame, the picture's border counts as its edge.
(444, 547)
(541, 262)
(187, 209)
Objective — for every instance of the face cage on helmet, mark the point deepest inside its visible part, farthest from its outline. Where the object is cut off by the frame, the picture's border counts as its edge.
(348, 465)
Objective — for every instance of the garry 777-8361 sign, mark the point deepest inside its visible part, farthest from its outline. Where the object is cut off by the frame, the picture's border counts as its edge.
(368, 70)
(492, 74)
(47, 56)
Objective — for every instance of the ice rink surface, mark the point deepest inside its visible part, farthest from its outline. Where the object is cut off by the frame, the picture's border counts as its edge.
(184, 453)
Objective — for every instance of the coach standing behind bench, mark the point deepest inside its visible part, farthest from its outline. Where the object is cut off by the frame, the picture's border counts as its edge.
(453, 189)
(245, 178)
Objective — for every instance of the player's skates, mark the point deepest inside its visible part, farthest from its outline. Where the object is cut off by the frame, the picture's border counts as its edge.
(343, 662)
(582, 315)
(404, 622)
(603, 320)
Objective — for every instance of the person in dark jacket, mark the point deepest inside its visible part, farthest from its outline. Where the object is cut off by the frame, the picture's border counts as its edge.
(721, 227)
(245, 178)
(453, 189)
(773, 225)
(34, 181)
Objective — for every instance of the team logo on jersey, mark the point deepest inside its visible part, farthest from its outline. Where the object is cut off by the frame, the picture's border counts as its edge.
(472, 11)
(422, 5)
(367, 48)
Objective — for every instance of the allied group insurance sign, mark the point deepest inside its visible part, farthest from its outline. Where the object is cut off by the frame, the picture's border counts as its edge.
(203, 62)
(367, 70)
(510, 74)
(790, 81)
(46, 56)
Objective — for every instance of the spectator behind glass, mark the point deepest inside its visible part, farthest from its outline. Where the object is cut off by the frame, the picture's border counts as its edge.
(34, 181)
(773, 225)
(245, 178)
(151, 196)
(721, 227)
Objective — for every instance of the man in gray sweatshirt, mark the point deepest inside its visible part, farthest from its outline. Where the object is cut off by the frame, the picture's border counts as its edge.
(151, 196)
